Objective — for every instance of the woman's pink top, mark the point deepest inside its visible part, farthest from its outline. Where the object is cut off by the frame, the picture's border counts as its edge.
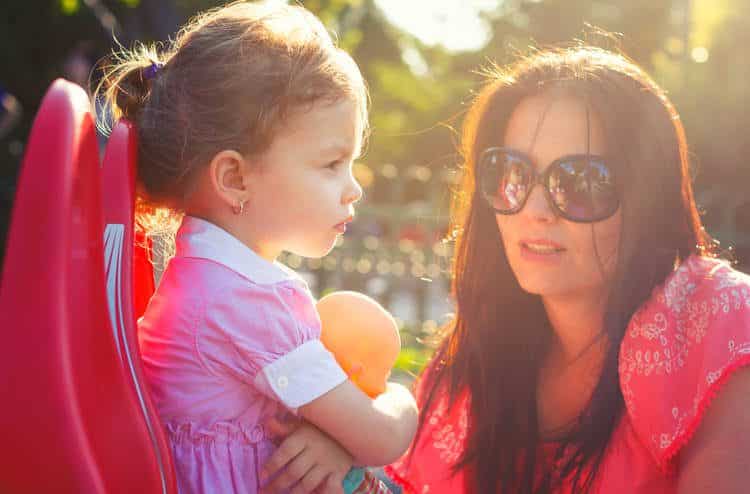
(228, 340)
(678, 351)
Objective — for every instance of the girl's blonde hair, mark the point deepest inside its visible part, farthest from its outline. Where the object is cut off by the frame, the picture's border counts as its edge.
(228, 80)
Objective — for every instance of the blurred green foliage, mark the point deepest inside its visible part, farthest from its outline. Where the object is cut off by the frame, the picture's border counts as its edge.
(411, 360)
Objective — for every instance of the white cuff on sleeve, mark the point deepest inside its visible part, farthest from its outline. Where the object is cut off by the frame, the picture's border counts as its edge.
(302, 375)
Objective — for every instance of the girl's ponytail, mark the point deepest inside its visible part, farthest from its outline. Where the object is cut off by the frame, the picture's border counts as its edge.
(126, 85)
(124, 91)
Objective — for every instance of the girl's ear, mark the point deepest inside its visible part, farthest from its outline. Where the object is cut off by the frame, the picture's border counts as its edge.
(229, 174)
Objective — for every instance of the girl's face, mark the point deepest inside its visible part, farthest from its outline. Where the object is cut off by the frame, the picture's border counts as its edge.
(551, 256)
(302, 189)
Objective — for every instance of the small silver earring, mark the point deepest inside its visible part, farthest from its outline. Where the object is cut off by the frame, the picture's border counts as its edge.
(240, 208)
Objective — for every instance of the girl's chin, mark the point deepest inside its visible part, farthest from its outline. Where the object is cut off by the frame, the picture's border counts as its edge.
(314, 251)
(319, 252)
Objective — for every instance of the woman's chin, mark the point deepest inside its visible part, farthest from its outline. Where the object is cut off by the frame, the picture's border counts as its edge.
(546, 287)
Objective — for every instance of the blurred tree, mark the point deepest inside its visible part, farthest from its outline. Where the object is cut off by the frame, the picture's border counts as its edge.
(709, 84)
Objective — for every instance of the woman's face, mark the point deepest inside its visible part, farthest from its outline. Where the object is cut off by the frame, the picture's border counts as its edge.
(551, 256)
(515, 175)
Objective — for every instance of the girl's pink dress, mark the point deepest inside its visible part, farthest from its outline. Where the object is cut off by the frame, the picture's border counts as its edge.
(678, 351)
(229, 340)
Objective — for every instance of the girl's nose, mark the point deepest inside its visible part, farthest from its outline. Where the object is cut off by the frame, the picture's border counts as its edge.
(537, 206)
(353, 192)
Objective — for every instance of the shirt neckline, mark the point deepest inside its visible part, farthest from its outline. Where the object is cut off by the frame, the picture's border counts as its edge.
(202, 239)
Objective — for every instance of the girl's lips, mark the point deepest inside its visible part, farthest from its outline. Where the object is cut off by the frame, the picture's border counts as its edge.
(341, 227)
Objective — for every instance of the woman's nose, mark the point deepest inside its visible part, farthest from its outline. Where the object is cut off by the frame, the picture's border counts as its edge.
(537, 206)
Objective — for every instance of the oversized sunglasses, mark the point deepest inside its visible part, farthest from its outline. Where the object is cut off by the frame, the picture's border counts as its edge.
(579, 188)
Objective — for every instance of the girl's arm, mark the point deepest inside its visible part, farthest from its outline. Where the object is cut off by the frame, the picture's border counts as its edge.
(375, 431)
(378, 430)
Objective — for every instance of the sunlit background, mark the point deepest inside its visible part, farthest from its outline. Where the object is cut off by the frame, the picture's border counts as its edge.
(421, 60)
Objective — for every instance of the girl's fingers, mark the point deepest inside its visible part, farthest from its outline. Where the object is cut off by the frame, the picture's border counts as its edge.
(294, 471)
(314, 478)
(284, 454)
(334, 484)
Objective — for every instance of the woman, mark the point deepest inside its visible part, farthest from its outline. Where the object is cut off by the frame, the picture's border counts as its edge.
(592, 332)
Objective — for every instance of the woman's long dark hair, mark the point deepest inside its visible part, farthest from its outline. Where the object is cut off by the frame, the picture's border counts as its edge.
(499, 337)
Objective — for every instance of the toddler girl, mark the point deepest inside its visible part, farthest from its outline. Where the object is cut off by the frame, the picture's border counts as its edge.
(249, 124)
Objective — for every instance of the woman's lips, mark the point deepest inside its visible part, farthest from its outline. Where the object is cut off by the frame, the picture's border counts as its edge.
(540, 250)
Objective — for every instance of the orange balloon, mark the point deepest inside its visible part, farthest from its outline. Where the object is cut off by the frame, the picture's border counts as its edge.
(363, 337)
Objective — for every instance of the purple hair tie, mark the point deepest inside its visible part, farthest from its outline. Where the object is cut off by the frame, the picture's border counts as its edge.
(151, 71)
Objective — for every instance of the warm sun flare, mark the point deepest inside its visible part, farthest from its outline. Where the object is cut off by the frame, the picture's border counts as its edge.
(455, 24)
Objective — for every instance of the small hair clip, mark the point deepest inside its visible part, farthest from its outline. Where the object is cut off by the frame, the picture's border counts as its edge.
(151, 71)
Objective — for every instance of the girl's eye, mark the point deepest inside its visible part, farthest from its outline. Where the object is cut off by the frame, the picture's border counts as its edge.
(333, 165)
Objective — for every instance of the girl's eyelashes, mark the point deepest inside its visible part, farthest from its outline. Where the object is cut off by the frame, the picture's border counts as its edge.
(333, 165)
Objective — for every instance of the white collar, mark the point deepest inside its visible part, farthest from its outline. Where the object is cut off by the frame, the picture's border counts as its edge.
(203, 239)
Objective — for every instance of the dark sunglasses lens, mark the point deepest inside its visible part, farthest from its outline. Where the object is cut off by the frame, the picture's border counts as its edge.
(583, 189)
(504, 180)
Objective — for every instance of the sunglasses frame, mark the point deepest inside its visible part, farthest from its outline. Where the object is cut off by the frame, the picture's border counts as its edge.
(541, 179)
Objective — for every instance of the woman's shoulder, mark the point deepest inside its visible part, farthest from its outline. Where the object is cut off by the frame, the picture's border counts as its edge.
(702, 303)
(680, 348)
(702, 278)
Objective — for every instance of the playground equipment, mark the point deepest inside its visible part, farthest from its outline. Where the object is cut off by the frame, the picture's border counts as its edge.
(76, 416)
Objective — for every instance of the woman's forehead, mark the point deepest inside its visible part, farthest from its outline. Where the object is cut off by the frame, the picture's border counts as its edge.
(548, 126)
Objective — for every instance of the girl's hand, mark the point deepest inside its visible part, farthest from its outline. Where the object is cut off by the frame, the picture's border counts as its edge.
(310, 460)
